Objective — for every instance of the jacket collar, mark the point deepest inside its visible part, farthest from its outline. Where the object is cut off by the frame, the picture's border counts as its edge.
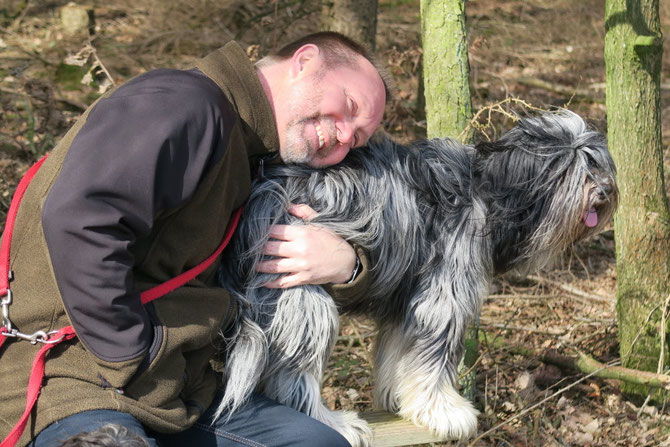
(230, 68)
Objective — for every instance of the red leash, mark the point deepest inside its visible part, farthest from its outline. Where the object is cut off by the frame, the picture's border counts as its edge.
(178, 281)
(35, 384)
(54, 338)
(9, 225)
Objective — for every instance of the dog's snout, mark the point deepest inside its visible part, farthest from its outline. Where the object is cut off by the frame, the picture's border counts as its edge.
(604, 191)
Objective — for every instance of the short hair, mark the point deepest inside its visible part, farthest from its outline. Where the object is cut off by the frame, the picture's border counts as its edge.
(109, 435)
(337, 50)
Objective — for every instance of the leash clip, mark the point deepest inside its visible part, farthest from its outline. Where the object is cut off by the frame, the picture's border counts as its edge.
(9, 331)
(34, 338)
(5, 302)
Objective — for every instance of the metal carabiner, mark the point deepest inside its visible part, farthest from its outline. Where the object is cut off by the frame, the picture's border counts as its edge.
(34, 338)
(5, 302)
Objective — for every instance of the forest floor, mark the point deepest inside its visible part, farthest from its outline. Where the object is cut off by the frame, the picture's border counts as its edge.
(542, 53)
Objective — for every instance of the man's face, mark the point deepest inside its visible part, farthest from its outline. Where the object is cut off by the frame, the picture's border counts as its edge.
(330, 112)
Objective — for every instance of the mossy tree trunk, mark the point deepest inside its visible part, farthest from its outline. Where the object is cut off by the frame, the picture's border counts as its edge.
(446, 81)
(633, 50)
(446, 70)
(356, 19)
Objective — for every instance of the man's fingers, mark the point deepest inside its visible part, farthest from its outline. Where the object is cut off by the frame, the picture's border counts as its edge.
(281, 265)
(286, 232)
(304, 212)
(286, 281)
(277, 248)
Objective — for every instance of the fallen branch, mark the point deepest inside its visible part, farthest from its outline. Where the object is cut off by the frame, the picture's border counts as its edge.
(548, 331)
(588, 365)
(521, 297)
(572, 290)
(560, 89)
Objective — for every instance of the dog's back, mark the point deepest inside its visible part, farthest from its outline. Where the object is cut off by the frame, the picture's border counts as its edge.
(409, 194)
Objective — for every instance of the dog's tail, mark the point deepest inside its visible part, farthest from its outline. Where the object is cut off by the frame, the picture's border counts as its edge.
(245, 363)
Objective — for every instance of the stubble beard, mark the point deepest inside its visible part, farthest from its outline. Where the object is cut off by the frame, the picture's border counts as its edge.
(298, 147)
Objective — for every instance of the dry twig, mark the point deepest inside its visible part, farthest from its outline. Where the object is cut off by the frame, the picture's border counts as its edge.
(571, 290)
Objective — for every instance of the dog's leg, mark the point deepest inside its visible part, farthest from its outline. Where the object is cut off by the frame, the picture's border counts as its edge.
(417, 361)
(301, 337)
(389, 349)
(426, 394)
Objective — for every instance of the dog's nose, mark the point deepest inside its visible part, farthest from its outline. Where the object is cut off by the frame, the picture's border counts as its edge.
(605, 190)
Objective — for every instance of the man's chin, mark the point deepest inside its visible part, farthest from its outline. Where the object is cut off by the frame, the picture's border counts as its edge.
(293, 156)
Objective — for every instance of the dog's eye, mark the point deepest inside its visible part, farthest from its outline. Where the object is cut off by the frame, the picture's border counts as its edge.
(591, 162)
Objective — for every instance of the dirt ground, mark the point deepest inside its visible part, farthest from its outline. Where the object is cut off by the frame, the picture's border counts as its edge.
(524, 399)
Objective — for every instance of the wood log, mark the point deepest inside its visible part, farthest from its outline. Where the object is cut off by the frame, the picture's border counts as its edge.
(391, 430)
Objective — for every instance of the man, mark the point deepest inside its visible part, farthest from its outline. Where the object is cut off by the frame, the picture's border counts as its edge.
(140, 190)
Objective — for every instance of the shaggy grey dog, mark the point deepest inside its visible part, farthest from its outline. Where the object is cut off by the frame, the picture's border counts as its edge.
(438, 220)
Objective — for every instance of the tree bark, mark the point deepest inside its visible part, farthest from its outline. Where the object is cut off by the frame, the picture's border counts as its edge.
(633, 51)
(446, 70)
(356, 19)
(446, 76)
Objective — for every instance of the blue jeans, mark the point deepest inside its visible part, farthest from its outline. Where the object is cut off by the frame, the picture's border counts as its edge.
(262, 422)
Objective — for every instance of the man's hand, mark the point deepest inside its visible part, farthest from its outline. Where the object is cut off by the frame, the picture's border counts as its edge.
(306, 254)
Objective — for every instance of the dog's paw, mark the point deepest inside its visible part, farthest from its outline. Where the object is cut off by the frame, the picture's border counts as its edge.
(448, 415)
(353, 428)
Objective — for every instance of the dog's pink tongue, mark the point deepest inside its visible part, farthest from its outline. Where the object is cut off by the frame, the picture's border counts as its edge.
(591, 218)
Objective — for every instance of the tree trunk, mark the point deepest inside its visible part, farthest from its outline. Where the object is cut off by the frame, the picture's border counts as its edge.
(356, 19)
(446, 70)
(446, 76)
(633, 51)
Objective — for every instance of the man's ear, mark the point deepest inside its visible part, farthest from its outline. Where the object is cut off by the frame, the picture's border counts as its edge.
(305, 61)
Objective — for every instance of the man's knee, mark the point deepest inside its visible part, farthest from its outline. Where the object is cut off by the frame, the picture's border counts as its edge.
(266, 422)
(310, 432)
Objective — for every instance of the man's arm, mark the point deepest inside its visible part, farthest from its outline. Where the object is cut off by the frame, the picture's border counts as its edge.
(142, 150)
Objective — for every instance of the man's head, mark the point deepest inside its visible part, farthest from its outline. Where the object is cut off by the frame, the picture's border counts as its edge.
(327, 95)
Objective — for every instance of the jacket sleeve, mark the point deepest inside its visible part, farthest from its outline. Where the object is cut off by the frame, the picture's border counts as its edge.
(143, 149)
(354, 291)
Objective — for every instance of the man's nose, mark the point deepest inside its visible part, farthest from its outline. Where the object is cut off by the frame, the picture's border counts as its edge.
(345, 132)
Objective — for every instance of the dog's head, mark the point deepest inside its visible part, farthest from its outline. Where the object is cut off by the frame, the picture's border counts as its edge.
(549, 182)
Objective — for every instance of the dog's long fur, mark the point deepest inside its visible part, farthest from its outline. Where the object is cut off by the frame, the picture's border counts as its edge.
(438, 220)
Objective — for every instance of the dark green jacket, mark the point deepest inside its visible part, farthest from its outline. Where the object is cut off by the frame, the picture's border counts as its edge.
(138, 191)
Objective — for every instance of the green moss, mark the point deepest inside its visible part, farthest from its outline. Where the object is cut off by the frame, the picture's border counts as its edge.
(69, 76)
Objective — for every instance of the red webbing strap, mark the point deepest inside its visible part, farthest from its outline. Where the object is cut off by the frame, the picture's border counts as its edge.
(35, 384)
(9, 225)
(188, 275)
